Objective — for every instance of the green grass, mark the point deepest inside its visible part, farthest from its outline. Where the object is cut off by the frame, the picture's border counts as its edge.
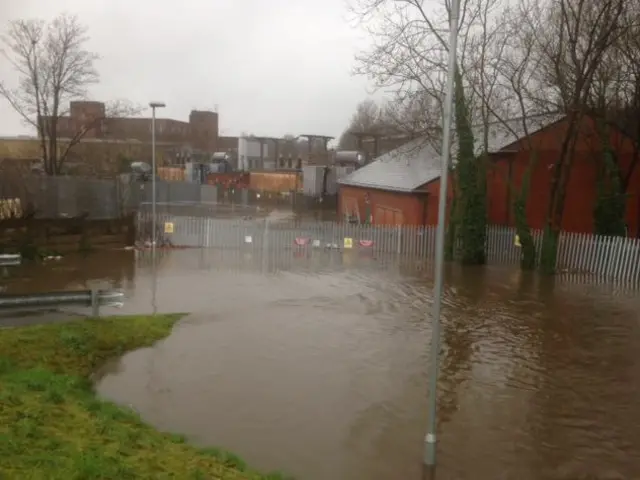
(52, 426)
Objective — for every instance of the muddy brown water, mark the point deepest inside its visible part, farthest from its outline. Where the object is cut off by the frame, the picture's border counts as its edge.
(318, 365)
(256, 211)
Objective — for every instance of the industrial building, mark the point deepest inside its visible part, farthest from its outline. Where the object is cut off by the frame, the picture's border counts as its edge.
(401, 187)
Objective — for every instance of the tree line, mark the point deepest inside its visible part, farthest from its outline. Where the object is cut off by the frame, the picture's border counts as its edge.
(515, 60)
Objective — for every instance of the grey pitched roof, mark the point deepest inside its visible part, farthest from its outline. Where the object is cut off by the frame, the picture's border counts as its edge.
(418, 161)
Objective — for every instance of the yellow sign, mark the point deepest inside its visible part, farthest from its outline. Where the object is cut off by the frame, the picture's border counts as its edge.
(516, 241)
(348, 242)
(168, 227)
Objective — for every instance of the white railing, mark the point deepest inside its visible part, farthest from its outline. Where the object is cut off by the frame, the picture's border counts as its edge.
(10, 260)
(615, 258)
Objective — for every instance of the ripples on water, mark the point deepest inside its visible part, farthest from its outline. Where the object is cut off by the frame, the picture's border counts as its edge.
(318, 366)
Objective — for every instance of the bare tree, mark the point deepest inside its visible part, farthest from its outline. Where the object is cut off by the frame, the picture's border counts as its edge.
(579, 34)
(506, 89)
(606, 102)
(366, 119)
(415, 115)
(517, 68)
(54, 68)
(410, 56)
(615, 101)
(627, 105)
(488, 46)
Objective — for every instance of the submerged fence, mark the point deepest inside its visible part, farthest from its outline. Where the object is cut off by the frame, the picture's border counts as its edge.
(611, 257)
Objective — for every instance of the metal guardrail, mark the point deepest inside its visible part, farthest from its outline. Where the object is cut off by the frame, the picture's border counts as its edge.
(87, 298)
(10, 260)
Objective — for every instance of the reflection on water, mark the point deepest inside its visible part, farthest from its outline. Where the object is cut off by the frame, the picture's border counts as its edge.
(317, 364)
(109, 269)
(301, 212)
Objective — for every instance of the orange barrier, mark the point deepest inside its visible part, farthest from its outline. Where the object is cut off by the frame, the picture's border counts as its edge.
(171, 174)
(276, 182)
(239, 179)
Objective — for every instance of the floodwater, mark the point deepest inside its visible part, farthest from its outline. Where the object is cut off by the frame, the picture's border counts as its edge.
(231, 210)
(317, 365)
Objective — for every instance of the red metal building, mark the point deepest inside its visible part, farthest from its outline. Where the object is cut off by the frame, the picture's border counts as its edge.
(402, 186)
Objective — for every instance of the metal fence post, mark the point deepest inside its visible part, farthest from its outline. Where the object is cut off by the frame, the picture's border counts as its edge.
(207, 242)
(95, 304)
(265, 246)
(334, 239)
(399, 239)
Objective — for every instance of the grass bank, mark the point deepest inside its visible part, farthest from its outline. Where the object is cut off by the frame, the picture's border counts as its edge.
(52, 426)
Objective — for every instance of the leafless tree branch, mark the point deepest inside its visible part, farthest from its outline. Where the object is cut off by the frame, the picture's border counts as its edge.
(54, 68)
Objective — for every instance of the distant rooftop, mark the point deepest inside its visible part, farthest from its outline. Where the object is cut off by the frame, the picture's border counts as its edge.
(84, 140)
(418, 162)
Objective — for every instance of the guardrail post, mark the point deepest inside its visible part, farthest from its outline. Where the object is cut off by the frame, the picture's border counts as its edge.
(95, 303)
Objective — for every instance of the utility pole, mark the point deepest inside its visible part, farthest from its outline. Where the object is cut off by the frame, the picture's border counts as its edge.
(430, 437)
(154, 172)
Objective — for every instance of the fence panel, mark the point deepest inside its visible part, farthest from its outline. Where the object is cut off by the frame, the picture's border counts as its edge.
(606, 257)
(183, 192)
(54, 197)
(208, 193)
(501, 245)
(99, 197)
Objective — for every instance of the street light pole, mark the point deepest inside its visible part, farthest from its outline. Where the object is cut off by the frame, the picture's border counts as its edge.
(154, 273)
(430, 437)
(154, 106)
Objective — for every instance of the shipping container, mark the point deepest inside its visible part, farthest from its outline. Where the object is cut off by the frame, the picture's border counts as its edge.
(172, 174)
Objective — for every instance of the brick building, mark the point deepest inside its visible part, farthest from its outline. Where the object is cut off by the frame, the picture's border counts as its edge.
(200, 133)
(402, 187)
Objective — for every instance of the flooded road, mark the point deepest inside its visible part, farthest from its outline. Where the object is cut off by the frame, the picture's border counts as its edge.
(318, 365)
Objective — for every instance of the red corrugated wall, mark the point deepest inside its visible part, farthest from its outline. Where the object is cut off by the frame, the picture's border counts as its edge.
(387, 208)
(581, 189)
(508, 169)
(433, 190)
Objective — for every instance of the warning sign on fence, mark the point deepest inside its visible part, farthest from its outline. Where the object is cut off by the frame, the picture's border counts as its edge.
(168, 227)
(248, 239)
(348, 242)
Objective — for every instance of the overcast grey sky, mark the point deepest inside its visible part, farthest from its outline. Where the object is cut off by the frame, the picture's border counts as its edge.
(271, 66)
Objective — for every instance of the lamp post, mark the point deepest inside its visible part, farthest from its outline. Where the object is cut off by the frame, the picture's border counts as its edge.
(430, 437)
(154, 273)
(154, 106)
